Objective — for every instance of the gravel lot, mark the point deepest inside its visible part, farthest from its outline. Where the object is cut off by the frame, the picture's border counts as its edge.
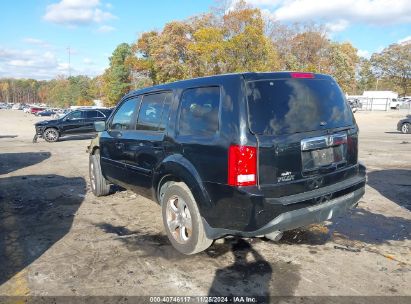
(57, 239)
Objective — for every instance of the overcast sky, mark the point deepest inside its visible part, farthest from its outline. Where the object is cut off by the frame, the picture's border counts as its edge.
(35, 35)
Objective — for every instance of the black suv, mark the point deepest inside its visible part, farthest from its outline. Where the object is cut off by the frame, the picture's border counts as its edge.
(250, 154)
(75, 122)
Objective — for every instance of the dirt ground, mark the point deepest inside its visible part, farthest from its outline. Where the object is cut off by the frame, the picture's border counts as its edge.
(57, 239)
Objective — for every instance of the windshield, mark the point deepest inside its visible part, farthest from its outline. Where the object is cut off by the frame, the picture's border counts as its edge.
(287, 106)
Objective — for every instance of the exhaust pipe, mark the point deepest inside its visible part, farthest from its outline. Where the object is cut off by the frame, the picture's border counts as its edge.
(275, 236)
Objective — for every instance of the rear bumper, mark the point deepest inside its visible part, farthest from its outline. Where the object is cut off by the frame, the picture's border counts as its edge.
(297, 218)
(251, 214)
(305, 216)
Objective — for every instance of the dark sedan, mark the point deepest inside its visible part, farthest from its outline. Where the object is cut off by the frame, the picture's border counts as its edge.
(45, 113)
(404, 125)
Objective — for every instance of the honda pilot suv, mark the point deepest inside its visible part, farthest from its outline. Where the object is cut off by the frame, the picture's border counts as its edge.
(250, 154)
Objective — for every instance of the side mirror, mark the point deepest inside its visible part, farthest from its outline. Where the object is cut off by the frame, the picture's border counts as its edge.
(100, 126)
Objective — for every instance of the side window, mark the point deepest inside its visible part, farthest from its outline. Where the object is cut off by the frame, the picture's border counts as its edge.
(166, 110)
(199, 111)
(91, 114)
(151, 109)
(75, 115)
(122, 120)
(100, 115)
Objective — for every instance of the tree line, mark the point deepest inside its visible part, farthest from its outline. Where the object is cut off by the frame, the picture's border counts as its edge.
(60, 92)
(223, 41)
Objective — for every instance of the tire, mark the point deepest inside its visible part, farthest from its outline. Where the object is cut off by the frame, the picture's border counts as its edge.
(179, 209)
(99, 185)
(406, 128)
(51, 135)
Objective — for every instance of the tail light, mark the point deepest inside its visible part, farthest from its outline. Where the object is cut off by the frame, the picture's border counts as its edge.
(301, 75)
(242, 166)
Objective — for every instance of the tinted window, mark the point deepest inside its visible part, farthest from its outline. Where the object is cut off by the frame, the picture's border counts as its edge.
(105, 112)
(296, 105)
(92, 114)
(166, 111)
(75, 115)
(151, 109)
(123, 118)
(100, 115)
(199, 111)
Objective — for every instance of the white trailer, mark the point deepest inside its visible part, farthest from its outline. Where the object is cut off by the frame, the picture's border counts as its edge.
(381, 100)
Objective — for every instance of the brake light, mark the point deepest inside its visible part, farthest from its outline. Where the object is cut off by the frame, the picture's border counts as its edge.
(301, 75)
(242, 165)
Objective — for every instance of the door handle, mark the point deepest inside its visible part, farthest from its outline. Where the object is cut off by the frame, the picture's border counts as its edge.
(119, 145)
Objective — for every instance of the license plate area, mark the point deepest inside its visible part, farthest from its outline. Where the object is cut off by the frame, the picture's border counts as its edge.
(327, 153)
(323, 157)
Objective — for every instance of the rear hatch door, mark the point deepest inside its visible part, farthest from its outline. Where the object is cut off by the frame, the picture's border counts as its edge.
(306, 133)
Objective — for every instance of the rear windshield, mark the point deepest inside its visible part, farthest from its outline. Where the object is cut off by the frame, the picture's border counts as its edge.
(287, 106)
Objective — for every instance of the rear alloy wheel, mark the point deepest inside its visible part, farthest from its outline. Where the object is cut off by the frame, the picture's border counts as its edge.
(406, 128)
(182, 220)
(179, 219)
(99, 185)
(51, 135)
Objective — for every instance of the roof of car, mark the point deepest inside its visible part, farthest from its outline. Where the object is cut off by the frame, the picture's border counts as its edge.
(209, 80)
(93, 109)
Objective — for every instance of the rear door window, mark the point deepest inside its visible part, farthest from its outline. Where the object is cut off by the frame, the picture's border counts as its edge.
(166, 111)
(92, 114)
(286, 106)
(199, 109)
(151, 111)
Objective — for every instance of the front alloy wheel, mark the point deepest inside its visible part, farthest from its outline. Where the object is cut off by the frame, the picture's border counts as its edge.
(405, 128)
(51, 135)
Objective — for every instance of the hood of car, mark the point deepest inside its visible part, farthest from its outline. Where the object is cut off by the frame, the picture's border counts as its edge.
(47, 122)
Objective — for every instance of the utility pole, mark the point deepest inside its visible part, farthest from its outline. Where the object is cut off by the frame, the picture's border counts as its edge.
(69, 67)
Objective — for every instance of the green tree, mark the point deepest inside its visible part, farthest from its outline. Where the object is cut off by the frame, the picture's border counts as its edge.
(116, 79)
(247, 48)
(170, 52)
(207, 51)
(394, 62)
(142, 63)
(205, 45)
(343, 60)
(366, 77)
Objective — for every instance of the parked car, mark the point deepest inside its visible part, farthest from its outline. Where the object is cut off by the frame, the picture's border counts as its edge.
(17, 106)
(404, 125)
(355, 104)
(248, 154)
(75, 122)
(396, 103)
(6, 106)
(45, 113)
(34, 110)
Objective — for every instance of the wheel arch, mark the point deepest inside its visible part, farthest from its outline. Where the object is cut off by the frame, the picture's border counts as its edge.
(177, 168)
(52, 127)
